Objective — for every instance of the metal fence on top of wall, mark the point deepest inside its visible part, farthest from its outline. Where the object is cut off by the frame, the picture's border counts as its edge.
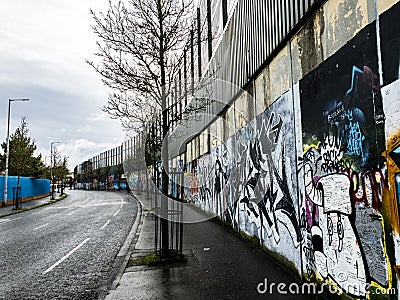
(254, 33)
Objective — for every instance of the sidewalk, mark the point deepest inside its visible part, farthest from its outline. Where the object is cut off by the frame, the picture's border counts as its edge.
(220, 265)
(8, 210)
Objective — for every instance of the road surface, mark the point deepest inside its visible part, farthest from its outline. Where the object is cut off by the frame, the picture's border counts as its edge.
(66, 250)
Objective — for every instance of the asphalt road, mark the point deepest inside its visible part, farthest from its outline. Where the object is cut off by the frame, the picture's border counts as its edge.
(66, 250)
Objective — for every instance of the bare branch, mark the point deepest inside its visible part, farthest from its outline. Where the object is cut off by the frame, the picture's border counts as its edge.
(138, 41)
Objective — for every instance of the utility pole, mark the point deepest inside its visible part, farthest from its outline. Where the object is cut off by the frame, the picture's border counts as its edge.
(51, 169)
(8, 144)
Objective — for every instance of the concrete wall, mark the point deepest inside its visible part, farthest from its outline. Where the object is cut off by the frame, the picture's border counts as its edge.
(343, 172)
(315, 176)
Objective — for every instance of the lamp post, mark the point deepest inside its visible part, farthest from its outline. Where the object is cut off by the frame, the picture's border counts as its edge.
(51, 168)
(8, 144)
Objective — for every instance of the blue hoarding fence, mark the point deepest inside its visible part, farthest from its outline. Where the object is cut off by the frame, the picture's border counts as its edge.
(29, 187)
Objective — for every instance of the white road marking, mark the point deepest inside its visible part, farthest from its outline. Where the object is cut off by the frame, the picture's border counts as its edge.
(116, 212)
(71, 213)
(41, 226)
(65, 257)
(122, 203)
(4, 220)
(104, 226)
(15, 219)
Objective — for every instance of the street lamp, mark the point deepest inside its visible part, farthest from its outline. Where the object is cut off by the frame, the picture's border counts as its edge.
(51, 168)
(8, 144)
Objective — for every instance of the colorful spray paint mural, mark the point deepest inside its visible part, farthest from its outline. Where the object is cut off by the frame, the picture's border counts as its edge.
(343, 168)
(391, 97)
(316, 176)
(390, 31)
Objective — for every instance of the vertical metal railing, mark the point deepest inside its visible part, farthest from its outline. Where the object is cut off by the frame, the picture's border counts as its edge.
(175, 212)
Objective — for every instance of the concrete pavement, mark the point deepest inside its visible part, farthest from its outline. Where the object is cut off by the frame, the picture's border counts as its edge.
(9, 210)
(220, 265)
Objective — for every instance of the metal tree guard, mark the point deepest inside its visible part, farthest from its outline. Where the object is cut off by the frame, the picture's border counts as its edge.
(174, 209)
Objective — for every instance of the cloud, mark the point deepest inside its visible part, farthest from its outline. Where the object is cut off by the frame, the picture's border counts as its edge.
(82, 149)
(56, 115)
(44, 47)
(98, 116)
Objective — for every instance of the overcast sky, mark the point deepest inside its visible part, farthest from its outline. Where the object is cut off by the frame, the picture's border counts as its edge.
(44, 44)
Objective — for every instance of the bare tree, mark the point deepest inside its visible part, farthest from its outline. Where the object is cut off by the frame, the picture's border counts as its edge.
(140, 51)
(59, 166)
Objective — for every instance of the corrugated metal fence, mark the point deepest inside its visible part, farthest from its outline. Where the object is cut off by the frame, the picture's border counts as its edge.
(256, 31)
(29, 187)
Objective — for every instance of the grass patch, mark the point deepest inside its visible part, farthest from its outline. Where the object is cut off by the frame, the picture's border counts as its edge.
(62, 197)
(150, 259)
(21, 209)
(159, 258)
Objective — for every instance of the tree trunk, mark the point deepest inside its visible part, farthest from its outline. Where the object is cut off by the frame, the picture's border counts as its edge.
(17, 204)
(165, 182)
(164, 149)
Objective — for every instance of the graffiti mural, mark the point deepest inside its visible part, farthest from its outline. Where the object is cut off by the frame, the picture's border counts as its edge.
(250, 181)
(391, 96)
(390, 31)
(342, 123)
(271, 168)
(316, 176)
(332, 238)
